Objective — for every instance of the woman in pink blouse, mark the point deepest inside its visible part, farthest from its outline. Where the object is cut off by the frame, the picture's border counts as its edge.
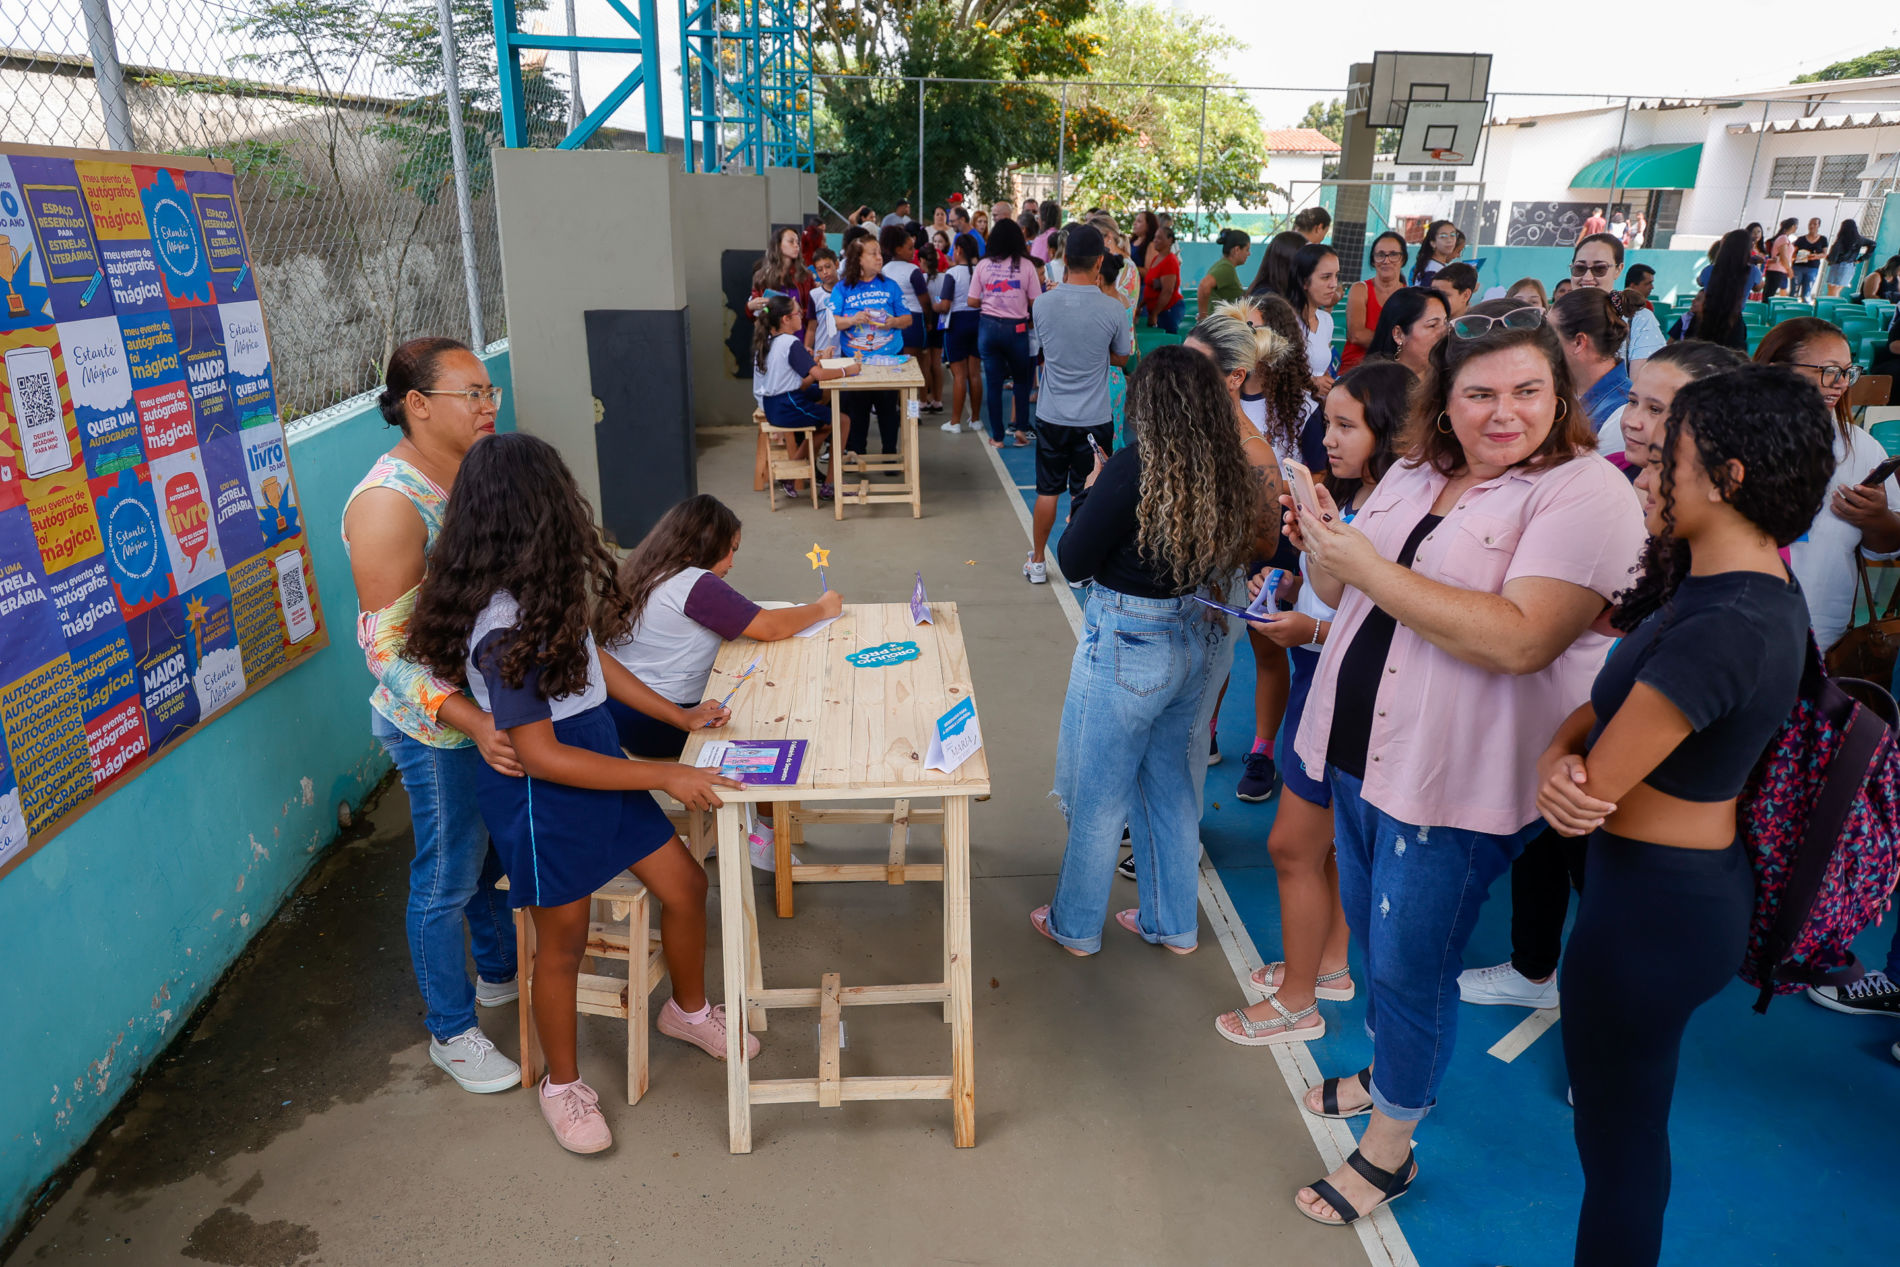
(1467, 588)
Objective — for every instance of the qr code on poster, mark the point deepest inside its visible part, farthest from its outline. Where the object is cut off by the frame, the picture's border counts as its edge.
(33, 400)
(299, 621)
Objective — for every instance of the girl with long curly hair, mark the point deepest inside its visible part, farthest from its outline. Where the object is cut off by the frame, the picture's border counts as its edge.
(1714, 648)
(519, 595)
(1171, 516)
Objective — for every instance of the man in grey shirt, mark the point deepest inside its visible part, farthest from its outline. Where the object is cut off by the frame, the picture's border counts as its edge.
(899, 214)
(1085, 337)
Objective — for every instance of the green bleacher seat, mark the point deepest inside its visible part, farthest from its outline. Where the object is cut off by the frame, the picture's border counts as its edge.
(1871, 346)
(1888, 434)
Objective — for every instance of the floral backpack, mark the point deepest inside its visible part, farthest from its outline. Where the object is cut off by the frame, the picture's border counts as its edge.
(1821, 821)
(1820, 818)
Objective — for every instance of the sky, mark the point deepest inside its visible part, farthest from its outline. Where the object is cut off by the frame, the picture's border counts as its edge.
(1661, 49)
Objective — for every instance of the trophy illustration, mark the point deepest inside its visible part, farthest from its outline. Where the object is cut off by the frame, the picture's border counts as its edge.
(274, 495)
(10, 260)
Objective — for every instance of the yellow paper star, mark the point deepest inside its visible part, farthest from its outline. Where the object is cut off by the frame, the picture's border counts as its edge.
(819, 556)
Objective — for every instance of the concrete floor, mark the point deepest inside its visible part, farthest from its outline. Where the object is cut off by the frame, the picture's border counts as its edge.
(300, 1121)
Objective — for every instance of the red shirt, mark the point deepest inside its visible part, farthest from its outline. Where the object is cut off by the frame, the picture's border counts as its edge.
(1160, 266)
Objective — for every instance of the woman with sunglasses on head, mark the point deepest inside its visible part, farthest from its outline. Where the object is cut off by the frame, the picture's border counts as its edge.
(1466, 589)
(1855, 517)
(1437, 249)
(1410, 325)
(1591, 326)
(437, 392)
(1713, 650)
(1366, 297)
(1597, 263)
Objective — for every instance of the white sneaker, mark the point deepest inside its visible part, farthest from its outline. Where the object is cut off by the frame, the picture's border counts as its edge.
(497, 993)
(1038, 573)
(762, 845)
(1506, 985)
(472, 1060)
(951, 427)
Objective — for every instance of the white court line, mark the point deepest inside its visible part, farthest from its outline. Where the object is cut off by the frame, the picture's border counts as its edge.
(1528, 1031)
(1379, 1233)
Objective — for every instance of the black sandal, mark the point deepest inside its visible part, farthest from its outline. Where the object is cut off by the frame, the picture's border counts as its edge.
(1329, 1096)
(1390, 1184)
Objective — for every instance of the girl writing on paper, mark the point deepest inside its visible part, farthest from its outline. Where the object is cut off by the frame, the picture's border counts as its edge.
(519, 587)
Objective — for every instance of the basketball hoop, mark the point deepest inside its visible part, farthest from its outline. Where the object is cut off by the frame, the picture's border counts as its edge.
(1448, 156)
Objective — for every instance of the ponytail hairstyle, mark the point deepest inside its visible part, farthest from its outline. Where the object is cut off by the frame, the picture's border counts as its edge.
(1768, 419)
(1286, 380)
(1232, 240)
(777, 308)
(1427, 253)
(697, 533)
(415, 366)
(1599, 315)
(852, 273)
(516, 521)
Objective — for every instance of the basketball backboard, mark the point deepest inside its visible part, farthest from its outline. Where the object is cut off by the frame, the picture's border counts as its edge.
(1442, 132)
(1399, 79)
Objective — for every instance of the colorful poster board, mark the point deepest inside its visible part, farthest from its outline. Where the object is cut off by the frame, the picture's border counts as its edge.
(154, 568)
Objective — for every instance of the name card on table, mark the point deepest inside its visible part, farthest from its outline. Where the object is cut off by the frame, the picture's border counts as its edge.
(919, 603)
(956, 738)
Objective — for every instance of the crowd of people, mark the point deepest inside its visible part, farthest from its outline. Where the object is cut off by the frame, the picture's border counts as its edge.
(1528, 586)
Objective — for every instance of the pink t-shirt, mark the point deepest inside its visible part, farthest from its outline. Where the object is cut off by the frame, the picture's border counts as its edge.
(1007, 287)
(1454, 745)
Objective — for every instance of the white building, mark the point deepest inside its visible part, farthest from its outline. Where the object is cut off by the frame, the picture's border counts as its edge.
(1693, 169)
(1296, 163)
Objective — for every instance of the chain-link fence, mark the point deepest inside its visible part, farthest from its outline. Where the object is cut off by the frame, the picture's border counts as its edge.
(332, 117)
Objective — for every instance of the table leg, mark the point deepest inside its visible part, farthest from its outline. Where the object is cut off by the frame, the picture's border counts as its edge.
(735, 880)
(913, 463)
(956, 940)
(782, 858)
(837, 447)
(754, 965)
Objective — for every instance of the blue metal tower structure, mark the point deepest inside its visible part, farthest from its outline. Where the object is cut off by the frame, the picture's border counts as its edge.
(746, 83)
(644, 78)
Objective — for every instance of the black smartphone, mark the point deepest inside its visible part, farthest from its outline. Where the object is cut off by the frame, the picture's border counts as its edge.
(1881, 474)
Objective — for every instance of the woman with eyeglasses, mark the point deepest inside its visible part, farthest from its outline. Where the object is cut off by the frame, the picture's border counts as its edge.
(1466, 589)
(1439, 246)
(438, 394)
(1367, 297)
(1596, 263)
(1590, 325)
(1855, 517)
(1314, 287)
(1410, 325)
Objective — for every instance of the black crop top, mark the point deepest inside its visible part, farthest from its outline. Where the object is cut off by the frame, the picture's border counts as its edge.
(1728, 650)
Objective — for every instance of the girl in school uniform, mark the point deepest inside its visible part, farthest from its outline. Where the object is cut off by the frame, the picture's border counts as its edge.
(959, 336)
(783, 375)
(519, 586)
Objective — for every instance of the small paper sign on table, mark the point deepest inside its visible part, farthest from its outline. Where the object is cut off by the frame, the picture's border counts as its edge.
(957, 736)
(764, 762)
(919, 603)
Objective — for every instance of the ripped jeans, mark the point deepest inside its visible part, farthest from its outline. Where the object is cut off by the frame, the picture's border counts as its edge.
(1127, 755)
(1412, 896)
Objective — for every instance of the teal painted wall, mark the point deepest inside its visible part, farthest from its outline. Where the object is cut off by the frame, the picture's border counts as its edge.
(117, 928)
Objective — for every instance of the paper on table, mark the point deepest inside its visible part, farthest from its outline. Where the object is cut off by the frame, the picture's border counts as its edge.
(838, 362)
(811, 629)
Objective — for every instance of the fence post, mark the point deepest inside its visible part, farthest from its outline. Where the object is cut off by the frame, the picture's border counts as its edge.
(1200, 154)
(918, 202)
(574, 112)
(1062, 150)
(458, 152)
(1616, 163)
(1741, 210)
(108, 74)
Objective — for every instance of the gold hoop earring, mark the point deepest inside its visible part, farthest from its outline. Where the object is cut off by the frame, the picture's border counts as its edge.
(1565, 406)
(1444, 424)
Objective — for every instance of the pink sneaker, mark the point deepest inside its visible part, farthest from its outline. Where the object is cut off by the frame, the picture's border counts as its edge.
(708, 1034)
(574, 1117)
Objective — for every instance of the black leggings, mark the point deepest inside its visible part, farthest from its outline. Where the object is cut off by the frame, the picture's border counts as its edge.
(1541, 880)
(1659, 932)
(857, 412)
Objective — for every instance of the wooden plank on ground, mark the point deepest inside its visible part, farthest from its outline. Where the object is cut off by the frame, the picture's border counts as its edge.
(830, 1039)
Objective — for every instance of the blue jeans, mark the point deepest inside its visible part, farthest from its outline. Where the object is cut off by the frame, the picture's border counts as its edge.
(452, 879)
(1804, 278)
(1005, 353)
(1123, 757)
(1412, 896)
(1169, 318)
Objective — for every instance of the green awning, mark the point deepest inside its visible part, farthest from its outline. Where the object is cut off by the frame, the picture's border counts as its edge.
(1651, 167)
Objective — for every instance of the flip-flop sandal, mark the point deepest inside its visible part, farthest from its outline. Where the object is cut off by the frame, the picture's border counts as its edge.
(1130, 919)
(1263, 980)
(1039, 920)
(1252, 1033)
(1391, 1186)
(1329, 1096)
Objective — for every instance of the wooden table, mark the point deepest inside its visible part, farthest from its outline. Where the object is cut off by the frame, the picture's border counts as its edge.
(868, 731)
(906, 380)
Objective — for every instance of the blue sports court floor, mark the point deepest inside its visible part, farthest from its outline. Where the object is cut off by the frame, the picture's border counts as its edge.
(1786, 1127)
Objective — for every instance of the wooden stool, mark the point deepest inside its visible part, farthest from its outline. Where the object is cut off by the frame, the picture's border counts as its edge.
(620, 930)
(779, 462)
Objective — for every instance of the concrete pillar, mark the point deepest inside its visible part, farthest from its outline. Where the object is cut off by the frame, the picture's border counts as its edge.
(596, 297)
(791, 195)
(1358, 144)
(720, 228)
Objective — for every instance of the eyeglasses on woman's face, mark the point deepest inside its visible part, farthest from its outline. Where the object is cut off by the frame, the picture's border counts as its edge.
(487, 396)
(1386, 257)
(1831, 375)
(1473, 324)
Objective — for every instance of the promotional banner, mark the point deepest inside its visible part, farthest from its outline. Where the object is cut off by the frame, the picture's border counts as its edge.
(154, 567)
